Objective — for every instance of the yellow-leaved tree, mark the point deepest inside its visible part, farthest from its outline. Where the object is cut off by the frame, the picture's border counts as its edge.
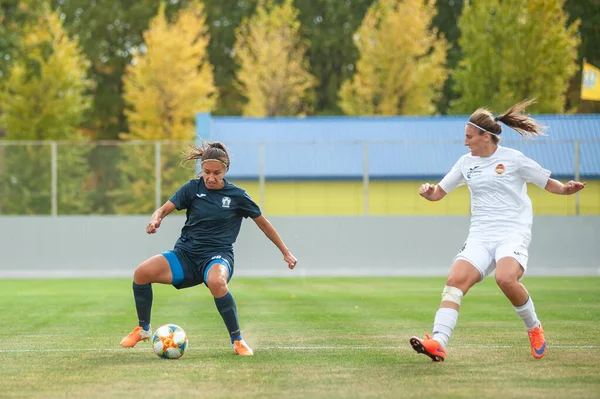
(169, 80)
(44, 98)
(273, 72)
(401, 68)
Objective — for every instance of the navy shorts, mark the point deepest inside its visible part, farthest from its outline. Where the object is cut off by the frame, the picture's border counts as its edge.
(189, 271)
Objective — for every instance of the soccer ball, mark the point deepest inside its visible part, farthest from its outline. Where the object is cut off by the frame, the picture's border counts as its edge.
(169, 341)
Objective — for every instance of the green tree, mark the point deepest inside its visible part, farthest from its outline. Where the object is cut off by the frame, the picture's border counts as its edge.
(8, 37)
(530, 51)
(329, 25)
(169, 80)
(44, 99)
(446, 21)
(223, 17)
(13, 15)
(588, 11)
(274, 72)
(401, 67)
(109, 31)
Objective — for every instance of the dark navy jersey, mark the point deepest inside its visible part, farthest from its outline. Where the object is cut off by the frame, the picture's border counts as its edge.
(213, 217)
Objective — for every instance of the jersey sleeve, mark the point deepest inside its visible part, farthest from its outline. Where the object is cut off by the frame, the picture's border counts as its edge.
(247, 207)
(184, 196)
(531, 171)
(453, 179)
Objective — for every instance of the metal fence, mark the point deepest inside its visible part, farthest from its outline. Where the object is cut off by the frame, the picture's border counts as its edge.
(136, 177)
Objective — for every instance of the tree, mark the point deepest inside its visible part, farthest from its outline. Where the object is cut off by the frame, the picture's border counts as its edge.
(109, 31)
(588, 11)
(13, 15)
(8, 37)
(223, 17)
(401, 66)
(530, 52)
(328, 25)
(274, 73)
(446, 21)
(169, 80)
(44, 99)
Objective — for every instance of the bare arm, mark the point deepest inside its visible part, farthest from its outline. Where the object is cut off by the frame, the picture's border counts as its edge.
(555, 187)
(431, 192)
(272, 234)
(158, 216)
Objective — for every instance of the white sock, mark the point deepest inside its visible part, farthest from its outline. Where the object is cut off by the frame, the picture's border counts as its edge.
(527, 314)
(443, 325)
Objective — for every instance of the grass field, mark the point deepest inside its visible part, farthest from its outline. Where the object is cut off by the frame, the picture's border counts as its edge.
(313, 338)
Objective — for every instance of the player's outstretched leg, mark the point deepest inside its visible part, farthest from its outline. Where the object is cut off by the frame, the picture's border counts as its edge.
(429, 347)
(538, 342)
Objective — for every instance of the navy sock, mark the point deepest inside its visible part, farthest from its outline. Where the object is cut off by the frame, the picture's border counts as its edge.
(143, 303)
(227, 309)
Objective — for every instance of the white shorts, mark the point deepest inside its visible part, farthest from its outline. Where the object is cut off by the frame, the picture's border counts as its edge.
(484, 254)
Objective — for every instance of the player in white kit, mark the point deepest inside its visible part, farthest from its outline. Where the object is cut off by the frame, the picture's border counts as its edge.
(501, 219)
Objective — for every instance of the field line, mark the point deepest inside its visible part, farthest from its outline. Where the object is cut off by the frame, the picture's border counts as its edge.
(292, 348)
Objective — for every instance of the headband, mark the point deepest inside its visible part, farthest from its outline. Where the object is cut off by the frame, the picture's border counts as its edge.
(480, 128)
(216, 160)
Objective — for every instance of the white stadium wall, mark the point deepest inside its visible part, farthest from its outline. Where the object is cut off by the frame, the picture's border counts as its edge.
(112, 246)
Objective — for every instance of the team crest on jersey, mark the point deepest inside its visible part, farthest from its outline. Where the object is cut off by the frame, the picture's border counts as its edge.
(499, 169)
(225, 202)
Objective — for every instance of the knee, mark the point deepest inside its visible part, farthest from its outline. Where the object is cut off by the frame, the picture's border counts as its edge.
(505, 280)
(460, 282)
(454, 281)
(217, 284)
(141, 276)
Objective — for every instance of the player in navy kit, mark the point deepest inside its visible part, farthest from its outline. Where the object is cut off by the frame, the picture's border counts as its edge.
(204, 251)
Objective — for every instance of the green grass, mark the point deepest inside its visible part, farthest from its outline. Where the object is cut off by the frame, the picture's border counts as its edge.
(313, 338)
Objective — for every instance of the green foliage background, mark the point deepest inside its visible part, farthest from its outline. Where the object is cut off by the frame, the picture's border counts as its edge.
(556, 36)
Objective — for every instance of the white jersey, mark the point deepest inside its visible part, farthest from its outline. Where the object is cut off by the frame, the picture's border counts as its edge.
(499, 201)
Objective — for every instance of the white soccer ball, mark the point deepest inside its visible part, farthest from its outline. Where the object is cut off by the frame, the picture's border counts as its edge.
(169, 341)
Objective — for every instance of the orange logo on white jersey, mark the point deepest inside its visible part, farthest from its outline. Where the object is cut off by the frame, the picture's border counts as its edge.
(499, 169)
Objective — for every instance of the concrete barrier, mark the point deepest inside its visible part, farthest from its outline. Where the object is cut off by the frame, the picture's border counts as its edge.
(112, 246)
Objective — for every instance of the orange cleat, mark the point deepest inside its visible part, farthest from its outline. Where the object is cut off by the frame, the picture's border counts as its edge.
(429, 347)
(241, 348)
(137, 335)
(538, 342)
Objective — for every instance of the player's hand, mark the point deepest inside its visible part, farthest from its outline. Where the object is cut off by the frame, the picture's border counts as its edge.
(153, 226)
(426, 190)
(290, 259)
(572, 187)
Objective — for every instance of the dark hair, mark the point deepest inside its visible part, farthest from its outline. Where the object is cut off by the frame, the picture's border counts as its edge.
(207, 151)
(513, 118)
